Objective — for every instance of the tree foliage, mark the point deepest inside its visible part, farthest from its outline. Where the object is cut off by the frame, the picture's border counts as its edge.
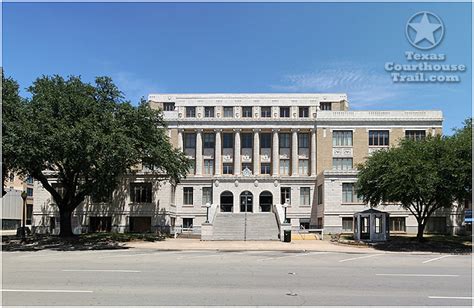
(89, 137)
(421, 175)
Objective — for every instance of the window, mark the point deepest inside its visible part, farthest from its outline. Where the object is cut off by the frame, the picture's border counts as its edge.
(100, 224)
(206, 195)
(303, 141)
(415, 134)
(59, 188)
(285, 195)
(349, 194)
(397, 224)
(209, 166)
(303, 166)
(265, 140)
(266, 112)
(378, 137)
(304, 112)
(208, 112)
(285, 140)
(140, 224)
(378, 224)
(265, 168)
(140, 192)
(284, 112)
(228, 112)
(187, 195)
(104, 197)
(29, 180)
(192, 168)
(304, 196)
(325, 106)
(247, 166)
(187, 222)
(284, 167)
(320, 194)
(29, 214)
(342, 163)
(246, 112)
(246, 140)
(342, 138)
(190, 112)
(29, 192)
(228, 168)
(347, 224)
(168, 106)
(209, 140)
(228, 140)
(189, 141)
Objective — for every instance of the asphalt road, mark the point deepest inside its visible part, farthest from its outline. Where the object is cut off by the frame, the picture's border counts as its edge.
(150, 277)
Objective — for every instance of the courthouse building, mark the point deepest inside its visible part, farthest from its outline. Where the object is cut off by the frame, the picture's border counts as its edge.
(251, 154)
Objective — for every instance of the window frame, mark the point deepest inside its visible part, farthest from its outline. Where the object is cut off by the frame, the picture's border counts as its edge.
(209, 112)
(342, 138)
(265, 112)
(226, 110)
(285, 112)
(188, 195)
(245, 110)
(190, 111)
(305, 196)
(380, 138)
(303, 112)
(144, 190)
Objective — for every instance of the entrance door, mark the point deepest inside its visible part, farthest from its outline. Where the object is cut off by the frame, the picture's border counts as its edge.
(246, 202)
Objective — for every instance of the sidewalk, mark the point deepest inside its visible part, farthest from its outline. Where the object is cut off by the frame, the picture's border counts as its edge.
(298, 245)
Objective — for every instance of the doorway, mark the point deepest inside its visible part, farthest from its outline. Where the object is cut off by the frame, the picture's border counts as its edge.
(266, 201)
(227, 201)
(246, 202)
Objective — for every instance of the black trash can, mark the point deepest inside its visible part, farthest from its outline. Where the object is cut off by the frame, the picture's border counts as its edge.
(287, 236)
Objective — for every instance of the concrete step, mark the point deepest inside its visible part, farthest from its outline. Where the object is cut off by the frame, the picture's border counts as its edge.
(250, 226)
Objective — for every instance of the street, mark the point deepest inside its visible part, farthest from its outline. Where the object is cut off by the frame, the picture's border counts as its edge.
(151, 277)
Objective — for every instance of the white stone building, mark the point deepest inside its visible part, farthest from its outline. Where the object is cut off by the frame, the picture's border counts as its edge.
(251, 153)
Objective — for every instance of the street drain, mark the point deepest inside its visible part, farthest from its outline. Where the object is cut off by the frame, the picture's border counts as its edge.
(291, 294)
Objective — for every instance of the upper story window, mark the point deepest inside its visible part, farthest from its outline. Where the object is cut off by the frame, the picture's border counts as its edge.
(379, 137)
(189, 140)
(246, 112)
(59, 188)
(208, 112)
(304, 112)
(247, 140)
(285, 140)
(284, 112)
(168, 106)
(190, 112)
(265, 140)
(325, 106)
(415, 134)
(227, 140)
(285, 195)
(349, 194)
(228, 112)
(29, 179)
(209, 140)
(342, 138)
(305, 196)
(140, 192)
(187, 195)
(303, 140)
(342, 163)
(320, 194)
(29, 192)
(266, 112)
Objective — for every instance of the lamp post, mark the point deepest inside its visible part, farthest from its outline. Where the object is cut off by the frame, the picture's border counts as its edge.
(208, 205)
(23, 233)
(285, 205)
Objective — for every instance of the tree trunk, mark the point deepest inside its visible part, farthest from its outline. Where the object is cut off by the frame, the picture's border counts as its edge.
(65, 224)
(421, 229)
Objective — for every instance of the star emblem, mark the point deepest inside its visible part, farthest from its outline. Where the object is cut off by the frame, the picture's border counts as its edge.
(425, 29)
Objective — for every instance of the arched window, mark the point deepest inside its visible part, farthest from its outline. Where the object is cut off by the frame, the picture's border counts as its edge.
(227, 201)
(266, 201)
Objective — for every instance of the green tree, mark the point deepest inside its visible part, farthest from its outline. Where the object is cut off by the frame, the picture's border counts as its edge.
(86, 137)
(11, 114)
(421, 175)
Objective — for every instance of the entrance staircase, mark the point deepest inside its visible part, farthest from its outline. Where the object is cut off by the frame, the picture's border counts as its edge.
(245, 227)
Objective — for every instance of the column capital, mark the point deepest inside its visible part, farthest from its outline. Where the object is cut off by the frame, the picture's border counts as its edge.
(275, 130)
(257, 130)
(218, 130)
(198, 130)
(237, 130)
(180, 130)
(313, 129)
(295, 130)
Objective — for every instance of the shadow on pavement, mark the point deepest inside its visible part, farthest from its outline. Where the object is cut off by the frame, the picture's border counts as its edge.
(439, 244)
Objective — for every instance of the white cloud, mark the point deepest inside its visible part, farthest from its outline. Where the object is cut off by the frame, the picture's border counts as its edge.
(364, 85)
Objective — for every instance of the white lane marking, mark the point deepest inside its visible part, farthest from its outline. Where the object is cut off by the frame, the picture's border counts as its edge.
(363, 257)
(48, 291)
(201, 256)
(417, 275)
(110, 271)
(294, 255)
(71, 252)
(141, 254)
(451, 297)
(436, 259)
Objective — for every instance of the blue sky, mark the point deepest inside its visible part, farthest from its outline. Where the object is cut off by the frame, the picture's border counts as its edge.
(240, 47)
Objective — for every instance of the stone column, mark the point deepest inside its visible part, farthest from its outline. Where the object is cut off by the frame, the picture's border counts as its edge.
(237, 150)
(294, 152)
(256, 151)
(313, 152)
(180, 139)
(218, 152)
(199, 152)
(275, 153)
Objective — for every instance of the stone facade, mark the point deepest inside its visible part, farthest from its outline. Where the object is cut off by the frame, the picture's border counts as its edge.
(279, 148)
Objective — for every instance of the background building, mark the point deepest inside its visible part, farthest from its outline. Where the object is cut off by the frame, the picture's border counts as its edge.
(12, 203)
